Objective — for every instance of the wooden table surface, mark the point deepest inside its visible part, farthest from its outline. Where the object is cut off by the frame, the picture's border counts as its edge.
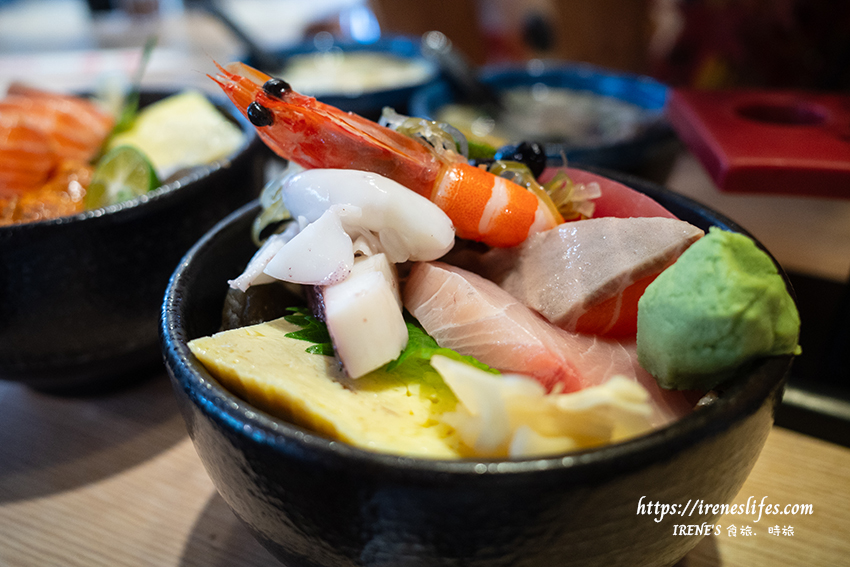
(113, 480)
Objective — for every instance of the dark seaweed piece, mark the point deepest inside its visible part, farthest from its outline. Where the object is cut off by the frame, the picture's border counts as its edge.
(259, 304)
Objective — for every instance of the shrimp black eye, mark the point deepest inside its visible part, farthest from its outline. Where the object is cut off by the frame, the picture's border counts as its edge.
(259, 115)
(276, 87)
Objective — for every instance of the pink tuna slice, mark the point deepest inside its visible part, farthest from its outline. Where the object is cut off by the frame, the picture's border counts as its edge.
(577, 274)
(616, 200)
(473, 316)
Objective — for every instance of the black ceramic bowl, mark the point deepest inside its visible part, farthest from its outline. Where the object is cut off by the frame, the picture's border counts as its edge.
(80, 295)
(371, 100)
(649, 146)
(315, 502)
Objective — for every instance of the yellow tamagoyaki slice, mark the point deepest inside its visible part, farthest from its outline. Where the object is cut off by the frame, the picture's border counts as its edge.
(380, 411)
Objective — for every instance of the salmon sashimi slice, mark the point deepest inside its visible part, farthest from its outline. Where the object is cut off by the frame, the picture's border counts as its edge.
(75, 127)
(26, 158)
(62, 195)
(587, 276)
(474, 316)
(617, 315)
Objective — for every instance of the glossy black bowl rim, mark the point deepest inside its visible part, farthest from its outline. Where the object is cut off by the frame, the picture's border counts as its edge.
(747, 396)
(403, 46)
(653, 95)
(161, 195)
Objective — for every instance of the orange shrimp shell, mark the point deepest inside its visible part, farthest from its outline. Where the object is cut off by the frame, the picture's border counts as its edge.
(489, 208)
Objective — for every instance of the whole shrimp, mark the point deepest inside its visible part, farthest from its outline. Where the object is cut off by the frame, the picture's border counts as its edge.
(482, 206)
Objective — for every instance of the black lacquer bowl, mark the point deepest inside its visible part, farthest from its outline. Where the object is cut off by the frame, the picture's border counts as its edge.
(369, 102)
(648, 147)
(315, 502)
(80, 295)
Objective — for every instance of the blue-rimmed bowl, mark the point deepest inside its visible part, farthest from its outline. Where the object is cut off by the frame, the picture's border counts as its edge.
(654, 141)
(371, 100)
(313, 502)
(80, 295)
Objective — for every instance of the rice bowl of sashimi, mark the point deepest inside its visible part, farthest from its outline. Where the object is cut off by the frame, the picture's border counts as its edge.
(543, 420)
(92, 229)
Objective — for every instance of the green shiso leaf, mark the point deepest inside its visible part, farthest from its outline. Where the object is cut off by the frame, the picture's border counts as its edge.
(421, 347)
(324, 349)
(312, 330)
(412, 363)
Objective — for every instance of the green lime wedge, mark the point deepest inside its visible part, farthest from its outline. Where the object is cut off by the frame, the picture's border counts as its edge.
(181, 131)
(480, 150)
(122, 174)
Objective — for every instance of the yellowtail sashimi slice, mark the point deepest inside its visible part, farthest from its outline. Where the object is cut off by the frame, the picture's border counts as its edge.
(475, 317)
(577, 274)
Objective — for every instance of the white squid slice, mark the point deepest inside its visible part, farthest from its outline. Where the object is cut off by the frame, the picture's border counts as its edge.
(321, 254)
(513, 416)
(381, 264)
(253, 274)
(364, 317)
(408, 226)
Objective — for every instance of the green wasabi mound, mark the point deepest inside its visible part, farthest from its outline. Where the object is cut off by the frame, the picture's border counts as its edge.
(721, 304)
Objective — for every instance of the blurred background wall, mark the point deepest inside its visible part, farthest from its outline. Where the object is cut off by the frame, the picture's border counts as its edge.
(703, 43)
(614, 33)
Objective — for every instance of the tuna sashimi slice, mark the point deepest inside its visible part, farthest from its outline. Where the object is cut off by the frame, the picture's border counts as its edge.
(616, 200)
(587, 276)
(474, 316)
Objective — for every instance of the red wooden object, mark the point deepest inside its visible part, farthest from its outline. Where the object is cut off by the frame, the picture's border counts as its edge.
(788, 142)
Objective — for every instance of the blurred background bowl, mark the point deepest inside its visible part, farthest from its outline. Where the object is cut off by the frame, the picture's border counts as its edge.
(315, 502)
(605, 118)
(80, 295)
(359, 77)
